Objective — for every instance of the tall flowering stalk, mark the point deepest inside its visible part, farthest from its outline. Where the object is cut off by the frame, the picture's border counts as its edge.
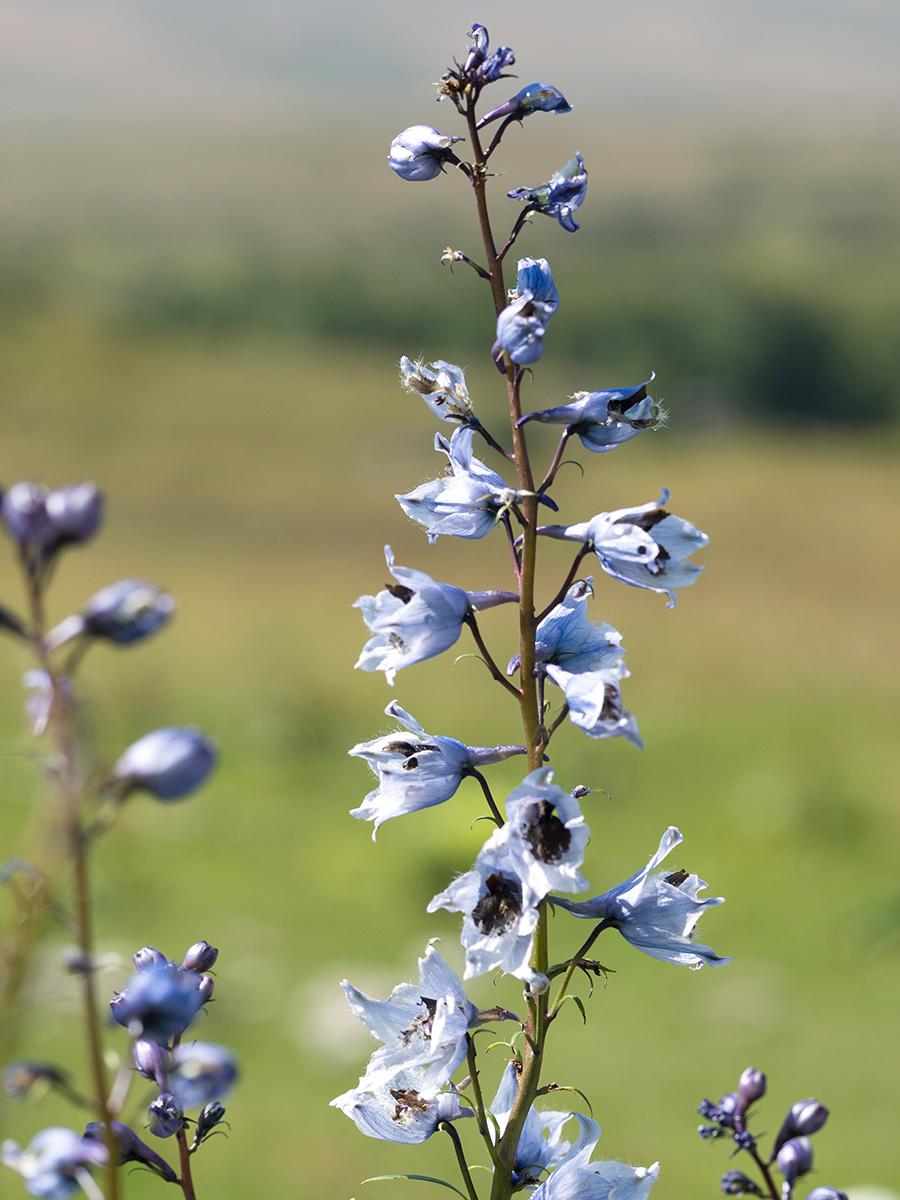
(163, 998)
(538, 844)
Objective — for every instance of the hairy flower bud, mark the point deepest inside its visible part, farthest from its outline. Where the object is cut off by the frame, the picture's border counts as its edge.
(164, 1115)
(151, 1060)
(149, 957)
(170, 763)
(752, 1087)
(736, 1183)
(726, 1109)
(793, 1160)
(201, 957)
(211, 1115)
(806, 1117)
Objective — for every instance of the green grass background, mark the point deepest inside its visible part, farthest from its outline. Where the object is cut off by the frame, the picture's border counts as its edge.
(251, 470)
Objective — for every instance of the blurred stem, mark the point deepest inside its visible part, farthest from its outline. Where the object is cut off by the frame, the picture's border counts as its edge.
(63, 771)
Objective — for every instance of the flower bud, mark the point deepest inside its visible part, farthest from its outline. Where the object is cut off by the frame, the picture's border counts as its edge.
(826, 1193)
(420, 153)
(201, 957)
(127, 611)
(148, 957)
(75, 512)
(752, 1088)
(202, 1071)
(793, 1160)
(164, 1115)
(736, 1183)
(151, 1060)
(205, 984)
(170, 763)
(726, 1109)
(805, 1117)
(158, 1003)
(21, 1076)
(210, 1116)
(130, 1148)
(24, 514)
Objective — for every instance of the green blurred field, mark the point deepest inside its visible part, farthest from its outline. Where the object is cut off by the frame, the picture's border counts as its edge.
(254, 478)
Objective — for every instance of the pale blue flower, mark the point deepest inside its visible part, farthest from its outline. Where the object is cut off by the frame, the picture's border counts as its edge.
(423, 1027)
(603, 420)
(420, 153)
(481, 67)
(595, 701)
(417, 770)
(521, 326)
(441, 385)
(656, 913)
(201, 1072)
(397, 1112)
(536, 97)
(547, 835)
(577, 1178)
(499, 912)
(164, 1115)
(50, 1162)
(540, 1146)
(646, 547)
(560, 196)
(566, 636)
(416, 618)
(468, 500)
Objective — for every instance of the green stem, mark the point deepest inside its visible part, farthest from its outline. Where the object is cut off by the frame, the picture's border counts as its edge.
(460, 1158)
(573, 963)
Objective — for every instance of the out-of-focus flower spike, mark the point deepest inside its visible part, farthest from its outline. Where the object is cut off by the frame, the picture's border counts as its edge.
(130, 1148)
(169, 763)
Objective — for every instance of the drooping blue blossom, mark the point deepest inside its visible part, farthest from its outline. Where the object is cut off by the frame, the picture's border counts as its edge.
(421, 153)
(397, 1112)
(468, 500)
(417, 770)
(499, 912)
(170, 763)
(423, 1027)
(123, 613)
(50, 1162)
(646, 546)
(159, 1002)
(540, 1147)
(547, 835)
(201, 1072)
(165, 1115)
(415, 618)
(595, 702)
(560, 196)
(129, 1148)
(606, 419)
(656, 913)
(521, 326)
(536, 97)
(441, 385)
(577, 1178)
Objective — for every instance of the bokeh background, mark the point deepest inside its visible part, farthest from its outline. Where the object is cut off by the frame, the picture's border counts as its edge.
(207, 276)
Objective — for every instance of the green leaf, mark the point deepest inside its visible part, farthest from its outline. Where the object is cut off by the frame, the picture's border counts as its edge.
(423, 1178)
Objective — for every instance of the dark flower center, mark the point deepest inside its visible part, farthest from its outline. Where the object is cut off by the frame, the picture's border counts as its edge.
(500, 906)
(646, 520)
(400, 591)
(421, 1026)
(545, 833)
(677, 878)
(408, 1101)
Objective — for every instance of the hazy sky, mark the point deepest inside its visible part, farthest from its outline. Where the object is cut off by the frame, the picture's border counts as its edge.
(752, 61)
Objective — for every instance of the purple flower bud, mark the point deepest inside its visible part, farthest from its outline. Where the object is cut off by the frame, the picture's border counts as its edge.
(202, 1072)
(130, 1148)
(127, 611)
(736, 1183)
(159, 1003)
(170, 763)
(75, 512)
(826, 1193)
(420, 153)
(201, 957)
(752, 1088)
(805, 1117)
(164, 1115)
(148, 957)
(152, 1061)
(793, 1160)
(210, 1116)
(24, 514)
(205, 984)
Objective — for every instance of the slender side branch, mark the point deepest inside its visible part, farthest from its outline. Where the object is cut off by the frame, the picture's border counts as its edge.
(495, 671)
(516, 230)
(510, 537)
(491, 441)
(570, 578)
(573, 963)
(495, 812)
(461, 1159)
(557, 459)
